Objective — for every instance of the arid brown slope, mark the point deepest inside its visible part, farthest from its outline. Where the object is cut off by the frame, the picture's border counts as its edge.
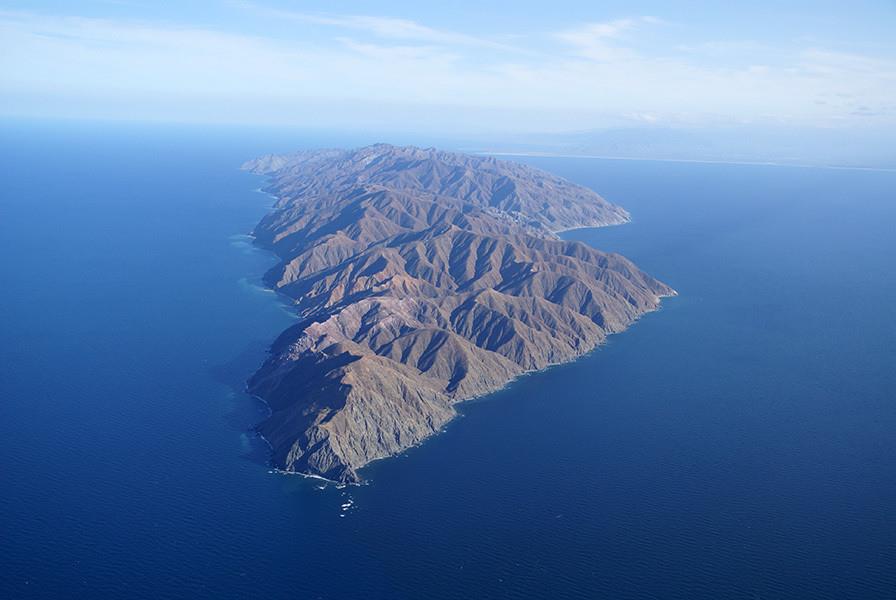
(423, 278)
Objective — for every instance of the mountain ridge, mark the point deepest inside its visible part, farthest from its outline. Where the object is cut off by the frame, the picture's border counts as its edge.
(422, 278)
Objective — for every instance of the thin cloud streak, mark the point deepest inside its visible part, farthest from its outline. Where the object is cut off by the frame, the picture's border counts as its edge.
(384, 27)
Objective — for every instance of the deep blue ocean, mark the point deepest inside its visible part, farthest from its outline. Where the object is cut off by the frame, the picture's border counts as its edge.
(739, 443)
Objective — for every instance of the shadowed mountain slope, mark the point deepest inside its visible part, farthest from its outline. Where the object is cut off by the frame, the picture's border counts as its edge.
(423, 278)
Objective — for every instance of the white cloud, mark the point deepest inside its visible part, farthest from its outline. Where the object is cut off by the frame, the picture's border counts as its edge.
(390, 71)
(383, 27)
(600, 41)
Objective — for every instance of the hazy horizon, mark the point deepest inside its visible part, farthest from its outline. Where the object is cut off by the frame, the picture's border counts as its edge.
(537, 69)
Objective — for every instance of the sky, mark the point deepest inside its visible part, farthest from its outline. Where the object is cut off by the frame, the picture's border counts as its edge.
(518, 66)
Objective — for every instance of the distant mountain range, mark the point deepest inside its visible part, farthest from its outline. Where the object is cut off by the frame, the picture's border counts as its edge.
(423, 278)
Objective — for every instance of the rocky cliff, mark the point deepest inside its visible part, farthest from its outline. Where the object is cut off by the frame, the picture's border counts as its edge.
(423, 278)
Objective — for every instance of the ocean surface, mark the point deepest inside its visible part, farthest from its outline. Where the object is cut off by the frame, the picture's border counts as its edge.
(739, 443)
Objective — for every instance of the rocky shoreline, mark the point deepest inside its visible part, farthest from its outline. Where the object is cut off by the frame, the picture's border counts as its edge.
(422, 279)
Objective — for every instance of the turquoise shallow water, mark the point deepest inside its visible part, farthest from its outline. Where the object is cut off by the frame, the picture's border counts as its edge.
(739, 443)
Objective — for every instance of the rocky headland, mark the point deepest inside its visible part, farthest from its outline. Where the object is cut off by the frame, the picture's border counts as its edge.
(422, 279)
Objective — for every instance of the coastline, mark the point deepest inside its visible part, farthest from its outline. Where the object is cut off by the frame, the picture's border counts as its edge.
(480, 396)
(486, 387)
(271, 467)
(756, 163)
(557, 232)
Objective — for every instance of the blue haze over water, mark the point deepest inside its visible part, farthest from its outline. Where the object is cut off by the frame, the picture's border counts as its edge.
(739, 443)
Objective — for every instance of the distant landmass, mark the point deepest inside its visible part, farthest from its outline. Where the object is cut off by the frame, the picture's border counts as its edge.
(782, 145)
(423, 278)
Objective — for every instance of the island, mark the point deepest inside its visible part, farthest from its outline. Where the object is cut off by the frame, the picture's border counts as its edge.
(422, 278)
